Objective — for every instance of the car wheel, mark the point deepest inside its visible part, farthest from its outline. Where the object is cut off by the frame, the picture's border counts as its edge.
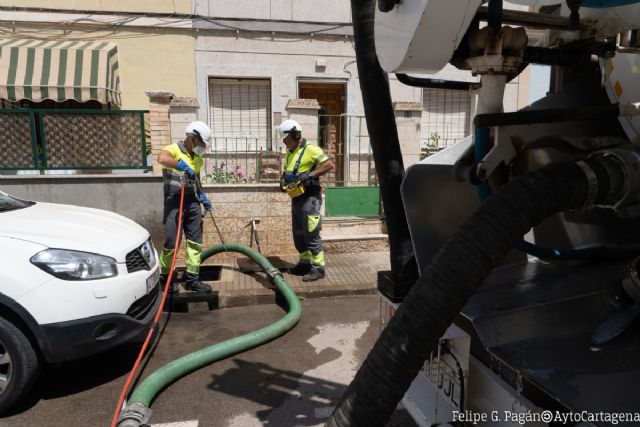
(19, 364)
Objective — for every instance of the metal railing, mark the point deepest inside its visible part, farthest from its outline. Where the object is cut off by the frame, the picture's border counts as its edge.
(343, 138)
(41, 139)
(242, 161)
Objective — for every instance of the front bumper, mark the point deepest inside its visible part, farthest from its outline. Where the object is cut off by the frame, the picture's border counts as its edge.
(84, 337)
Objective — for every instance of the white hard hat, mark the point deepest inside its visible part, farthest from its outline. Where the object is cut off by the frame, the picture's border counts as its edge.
(201, 129)
(290, 126)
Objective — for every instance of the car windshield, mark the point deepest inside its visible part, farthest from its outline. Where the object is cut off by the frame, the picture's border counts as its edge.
(10, 203)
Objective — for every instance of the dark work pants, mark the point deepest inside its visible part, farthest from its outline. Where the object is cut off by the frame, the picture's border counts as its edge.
(192, 228)
(306, 225)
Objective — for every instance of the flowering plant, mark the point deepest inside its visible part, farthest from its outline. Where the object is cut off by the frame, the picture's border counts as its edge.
(221, 173)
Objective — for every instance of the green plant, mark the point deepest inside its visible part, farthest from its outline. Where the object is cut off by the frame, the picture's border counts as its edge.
(221, 173)
(432, 145)
(434, 138)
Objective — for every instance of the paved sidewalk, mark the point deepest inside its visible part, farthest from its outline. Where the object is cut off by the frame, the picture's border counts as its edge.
(243, 283)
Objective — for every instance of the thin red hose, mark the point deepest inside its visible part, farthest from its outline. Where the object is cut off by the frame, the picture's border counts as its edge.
(127, 384)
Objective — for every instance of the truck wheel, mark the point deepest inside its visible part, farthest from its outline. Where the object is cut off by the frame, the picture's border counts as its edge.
(19, 365)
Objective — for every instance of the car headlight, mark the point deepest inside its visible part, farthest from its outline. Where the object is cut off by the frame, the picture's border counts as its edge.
(75, 265)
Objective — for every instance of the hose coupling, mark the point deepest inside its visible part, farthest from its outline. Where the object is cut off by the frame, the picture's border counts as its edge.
(134, 415)
(622, 165)
(273, 273)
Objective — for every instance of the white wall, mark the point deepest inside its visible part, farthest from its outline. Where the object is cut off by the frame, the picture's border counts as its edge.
(289, 10)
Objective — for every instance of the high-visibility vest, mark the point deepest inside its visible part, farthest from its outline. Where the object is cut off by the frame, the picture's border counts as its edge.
(173, 178)
(304, 158)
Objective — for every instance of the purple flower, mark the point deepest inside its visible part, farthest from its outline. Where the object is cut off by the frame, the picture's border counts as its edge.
(215, 167)
(222, 164)
(240, 175)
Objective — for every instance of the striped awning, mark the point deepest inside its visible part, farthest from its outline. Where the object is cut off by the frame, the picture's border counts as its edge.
(59, 70)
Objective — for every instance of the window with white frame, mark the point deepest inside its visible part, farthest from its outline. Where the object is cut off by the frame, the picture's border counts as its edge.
(445, 119)
(240, 112)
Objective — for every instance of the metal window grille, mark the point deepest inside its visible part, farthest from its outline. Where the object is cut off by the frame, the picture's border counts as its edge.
(240, 111)
(445, 119)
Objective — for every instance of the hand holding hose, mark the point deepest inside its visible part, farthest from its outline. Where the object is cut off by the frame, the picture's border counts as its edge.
(206, 203)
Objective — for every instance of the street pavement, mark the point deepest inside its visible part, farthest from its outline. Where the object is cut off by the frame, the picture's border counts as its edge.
(293, 381)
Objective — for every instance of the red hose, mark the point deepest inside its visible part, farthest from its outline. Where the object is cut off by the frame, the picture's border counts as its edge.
(127, 384)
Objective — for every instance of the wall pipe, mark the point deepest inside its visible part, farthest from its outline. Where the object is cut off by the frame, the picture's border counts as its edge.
(456, 272)
(137, 411)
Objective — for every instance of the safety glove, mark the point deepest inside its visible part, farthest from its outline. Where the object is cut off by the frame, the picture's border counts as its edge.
(183, 166)
(202, 198)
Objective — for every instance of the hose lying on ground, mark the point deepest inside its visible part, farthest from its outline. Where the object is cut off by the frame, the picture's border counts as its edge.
(137, 411)
(455, 273)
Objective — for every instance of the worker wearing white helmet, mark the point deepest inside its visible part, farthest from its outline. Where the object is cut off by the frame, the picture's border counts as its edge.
(181, 163)
(304, 165)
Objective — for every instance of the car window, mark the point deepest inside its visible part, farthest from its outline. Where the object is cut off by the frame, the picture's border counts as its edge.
(10, 203)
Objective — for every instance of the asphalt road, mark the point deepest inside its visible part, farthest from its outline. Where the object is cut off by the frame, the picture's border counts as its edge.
(292, 381)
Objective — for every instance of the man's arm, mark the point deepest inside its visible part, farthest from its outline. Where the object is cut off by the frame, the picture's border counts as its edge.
(165, 158)
(322, 169)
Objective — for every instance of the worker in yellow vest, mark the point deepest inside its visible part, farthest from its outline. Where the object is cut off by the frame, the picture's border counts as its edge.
(304, 165)
(181, 163)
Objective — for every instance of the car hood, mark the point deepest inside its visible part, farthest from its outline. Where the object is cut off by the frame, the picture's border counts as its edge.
(74, 227)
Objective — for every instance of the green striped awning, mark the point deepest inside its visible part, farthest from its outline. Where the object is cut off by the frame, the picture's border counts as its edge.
(59, 70)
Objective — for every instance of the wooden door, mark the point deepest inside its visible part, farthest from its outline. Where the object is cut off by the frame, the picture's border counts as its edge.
(331, 129)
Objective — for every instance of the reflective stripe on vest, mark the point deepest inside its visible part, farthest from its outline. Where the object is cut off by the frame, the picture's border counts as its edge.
(172, 178)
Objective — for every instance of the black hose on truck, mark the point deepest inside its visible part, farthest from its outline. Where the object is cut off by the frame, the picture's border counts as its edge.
(458, 270)
(383, 135)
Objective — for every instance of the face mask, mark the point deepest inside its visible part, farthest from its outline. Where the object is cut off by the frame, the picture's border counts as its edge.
(199, 150)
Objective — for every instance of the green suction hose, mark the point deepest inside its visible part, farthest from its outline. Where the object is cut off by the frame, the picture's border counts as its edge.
(137, 411)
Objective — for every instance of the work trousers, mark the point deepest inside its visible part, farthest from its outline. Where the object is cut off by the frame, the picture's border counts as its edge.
(191, 226)
(306, 224)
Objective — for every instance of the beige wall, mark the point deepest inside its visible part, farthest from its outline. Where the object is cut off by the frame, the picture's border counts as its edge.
(165, 6)
(149, 59)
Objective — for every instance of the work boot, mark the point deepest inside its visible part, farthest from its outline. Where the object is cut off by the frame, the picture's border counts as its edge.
(316, 273)
(173, 289)
(300, 269)
(193, 283)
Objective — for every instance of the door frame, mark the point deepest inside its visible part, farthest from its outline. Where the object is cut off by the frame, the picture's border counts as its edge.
(342, 84)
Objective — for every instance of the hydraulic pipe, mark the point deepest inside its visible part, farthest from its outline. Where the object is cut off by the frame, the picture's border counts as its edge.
(383, 134)
(456, 272)
(137, 411)
(494, 19)
(556, 115)
(484, 191)
(433, 83)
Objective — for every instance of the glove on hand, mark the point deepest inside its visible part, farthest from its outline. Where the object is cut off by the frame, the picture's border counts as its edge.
(183, 166)
(304, 178)
(202, 198)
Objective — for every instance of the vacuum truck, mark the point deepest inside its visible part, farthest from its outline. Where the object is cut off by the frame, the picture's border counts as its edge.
(514, 286)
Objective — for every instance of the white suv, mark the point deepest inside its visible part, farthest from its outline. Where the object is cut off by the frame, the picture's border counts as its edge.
(73, 282)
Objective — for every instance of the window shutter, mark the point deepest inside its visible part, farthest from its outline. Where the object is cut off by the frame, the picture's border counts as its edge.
(240, 113)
